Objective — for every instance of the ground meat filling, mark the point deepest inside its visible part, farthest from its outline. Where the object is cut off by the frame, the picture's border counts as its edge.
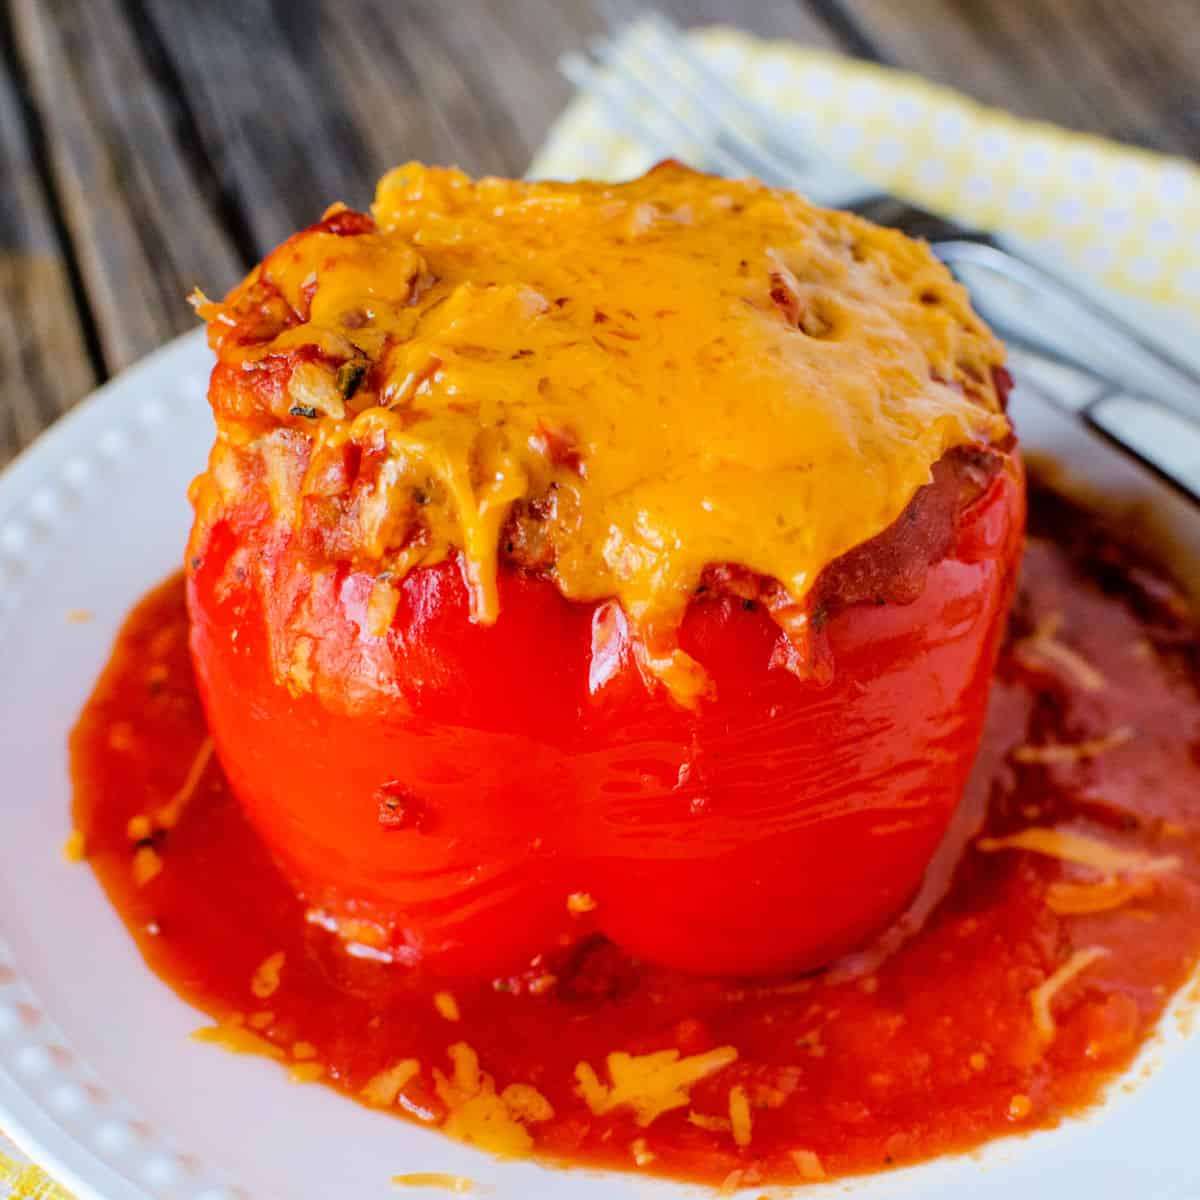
(891, 567)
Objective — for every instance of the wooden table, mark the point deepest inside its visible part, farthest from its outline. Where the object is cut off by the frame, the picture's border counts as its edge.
(150, 145)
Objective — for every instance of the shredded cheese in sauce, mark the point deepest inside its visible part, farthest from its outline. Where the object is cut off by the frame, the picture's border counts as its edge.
(233, 1036)
(267, 975)
(1072, 752)
(75, 847)
(147, 865)
(1079, 848)
(1043, 644)
(478, 1115)
(446, 1005)
(1078, 899)
(712, 1124)
(681, 370)
(526, 1103)
(1042, 997)
(740, 1121)
(808, 1164)
(384, 1088)
(306, 1072)
(643, 1156)
(1069, 898)
(460, 1185)
(648, 1084)
(167, 816)
(147, 862)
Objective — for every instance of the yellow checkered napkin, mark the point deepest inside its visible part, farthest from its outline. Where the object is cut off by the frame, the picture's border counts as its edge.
(1101, 212)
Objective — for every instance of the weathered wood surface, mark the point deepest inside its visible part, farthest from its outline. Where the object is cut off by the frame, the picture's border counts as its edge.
(141, 229)
(149, 145)
(44, 360)
(1125, 68)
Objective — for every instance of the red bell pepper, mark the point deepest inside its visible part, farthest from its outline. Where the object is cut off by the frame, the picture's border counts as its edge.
(469, 796)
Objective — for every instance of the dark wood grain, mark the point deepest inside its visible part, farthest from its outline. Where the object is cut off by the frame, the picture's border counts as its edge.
(308, 101)
(44, 361)
(1118, 67)
(144, 233)
(150, 145)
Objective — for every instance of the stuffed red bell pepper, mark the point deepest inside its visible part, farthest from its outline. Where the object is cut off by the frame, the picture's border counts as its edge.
(601, 558)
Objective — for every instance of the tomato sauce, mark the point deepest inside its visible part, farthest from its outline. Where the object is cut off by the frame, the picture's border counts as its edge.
(943, 1036)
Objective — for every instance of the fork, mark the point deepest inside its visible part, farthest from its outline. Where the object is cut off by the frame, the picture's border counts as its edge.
(656, 90)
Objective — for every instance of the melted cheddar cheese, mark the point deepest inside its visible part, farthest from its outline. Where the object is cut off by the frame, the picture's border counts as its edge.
(666, 374)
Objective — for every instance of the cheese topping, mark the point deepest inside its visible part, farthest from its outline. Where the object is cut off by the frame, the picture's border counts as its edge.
(667, 374)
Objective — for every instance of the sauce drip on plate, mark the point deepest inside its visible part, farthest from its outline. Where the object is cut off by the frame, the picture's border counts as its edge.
(1071, 917)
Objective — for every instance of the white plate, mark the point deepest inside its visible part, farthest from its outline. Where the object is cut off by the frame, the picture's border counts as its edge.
(98, 1080)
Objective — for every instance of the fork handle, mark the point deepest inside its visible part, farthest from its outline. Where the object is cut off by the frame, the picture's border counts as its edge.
(1032, 307)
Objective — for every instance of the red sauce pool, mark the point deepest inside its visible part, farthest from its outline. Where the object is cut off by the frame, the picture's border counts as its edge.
(935, 1049)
